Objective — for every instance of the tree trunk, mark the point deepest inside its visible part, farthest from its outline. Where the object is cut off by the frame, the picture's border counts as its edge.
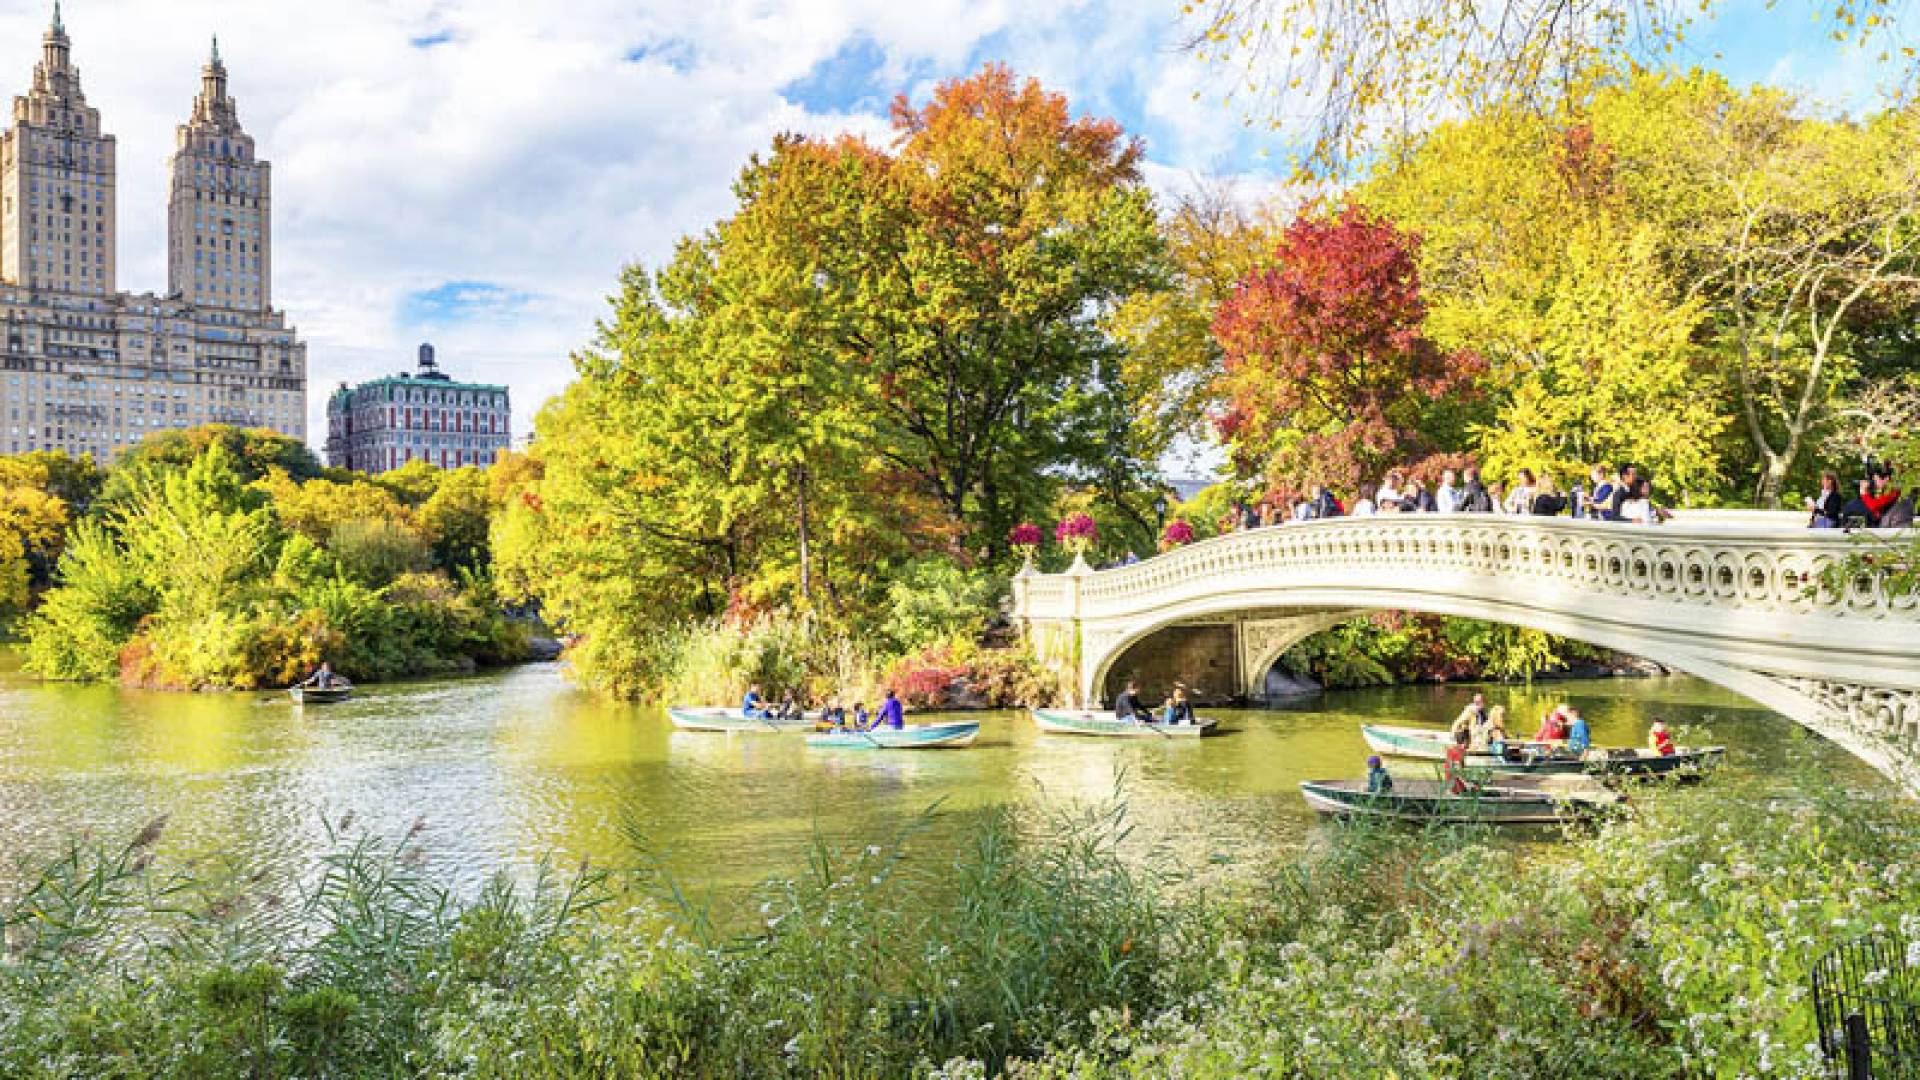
(806, 553)
(1773, 477)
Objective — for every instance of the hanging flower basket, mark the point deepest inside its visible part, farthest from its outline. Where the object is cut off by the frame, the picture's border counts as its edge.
(1077, 533)
(1025, 539)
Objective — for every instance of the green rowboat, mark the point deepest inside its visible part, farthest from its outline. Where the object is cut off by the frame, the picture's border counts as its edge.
(694, 718)
(1688, 763)
(317, 695)
(1103, 724)
(913, 737)
(1427, 744)
(1517, 800)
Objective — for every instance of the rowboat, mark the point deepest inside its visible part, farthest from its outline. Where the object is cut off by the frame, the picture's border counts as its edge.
(1515, 800)
(1429, 744)
(1691, 762)
(1543, 759)
(1090, 722)
(694, 718)
(912, 737)
(319, 695)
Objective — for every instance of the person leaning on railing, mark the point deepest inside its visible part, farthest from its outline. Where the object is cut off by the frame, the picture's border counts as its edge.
(1826, 508)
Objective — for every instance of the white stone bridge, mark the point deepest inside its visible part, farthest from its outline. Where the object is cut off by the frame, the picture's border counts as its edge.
(1732, 597)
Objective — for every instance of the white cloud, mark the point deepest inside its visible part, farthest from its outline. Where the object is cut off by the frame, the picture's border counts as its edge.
(536, 148)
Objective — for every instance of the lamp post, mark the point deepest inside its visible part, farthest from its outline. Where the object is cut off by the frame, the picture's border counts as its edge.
(1160, 512)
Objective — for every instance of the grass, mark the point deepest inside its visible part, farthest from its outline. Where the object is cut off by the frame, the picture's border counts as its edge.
(1674, 943)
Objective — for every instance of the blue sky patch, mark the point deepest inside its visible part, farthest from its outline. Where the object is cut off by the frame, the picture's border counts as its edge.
(461, 301)
(428, 41)
(676, 53)
(848, 81)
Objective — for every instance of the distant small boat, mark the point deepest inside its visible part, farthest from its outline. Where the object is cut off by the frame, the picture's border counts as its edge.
(1517, 800)
(721, 719)
(913, 737)
(319, 695)
(1103, 724)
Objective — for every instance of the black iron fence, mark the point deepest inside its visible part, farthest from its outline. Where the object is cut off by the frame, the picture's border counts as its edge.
(1867, 1001)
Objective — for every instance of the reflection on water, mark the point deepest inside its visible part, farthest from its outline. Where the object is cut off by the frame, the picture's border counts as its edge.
(508, 767)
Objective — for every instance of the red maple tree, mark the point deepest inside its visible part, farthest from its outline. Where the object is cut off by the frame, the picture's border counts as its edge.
(1329, 377)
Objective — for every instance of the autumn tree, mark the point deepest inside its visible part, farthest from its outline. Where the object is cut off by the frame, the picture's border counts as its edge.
(1001, 234)
(1343, 77)
(1172, 360)
(1329, 375)
(1534, 258)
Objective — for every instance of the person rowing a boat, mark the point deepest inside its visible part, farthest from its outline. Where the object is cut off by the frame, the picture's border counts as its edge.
(753, 706)
(1496, 731)
(892, 713)
(1475, 713)
(1129, 707)
(325, 679)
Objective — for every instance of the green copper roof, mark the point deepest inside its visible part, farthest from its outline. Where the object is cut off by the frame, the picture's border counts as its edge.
(419, 383)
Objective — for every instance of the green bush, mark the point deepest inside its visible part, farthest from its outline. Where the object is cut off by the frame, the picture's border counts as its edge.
(191, 581)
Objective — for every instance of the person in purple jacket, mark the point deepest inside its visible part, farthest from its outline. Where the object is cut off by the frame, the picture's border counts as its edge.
(892, 713)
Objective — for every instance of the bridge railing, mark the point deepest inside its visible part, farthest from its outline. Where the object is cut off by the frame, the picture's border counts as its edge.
(1737, 560)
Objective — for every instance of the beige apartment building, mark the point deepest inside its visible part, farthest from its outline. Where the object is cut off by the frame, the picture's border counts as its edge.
(89, 369)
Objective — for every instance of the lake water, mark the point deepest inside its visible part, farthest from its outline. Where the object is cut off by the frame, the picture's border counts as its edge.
(509, 767)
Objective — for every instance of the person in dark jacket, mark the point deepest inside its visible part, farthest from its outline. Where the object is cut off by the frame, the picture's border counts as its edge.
(1474, 497)
(1825, 508)
(1547, 500)
(1857, 513)
(1129, 706)
(1323, 504)
(892, 714)
(1626, 489)
(1899, 515)
(1418, 499)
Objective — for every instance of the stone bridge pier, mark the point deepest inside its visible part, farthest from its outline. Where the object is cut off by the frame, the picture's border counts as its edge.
(1734, 598)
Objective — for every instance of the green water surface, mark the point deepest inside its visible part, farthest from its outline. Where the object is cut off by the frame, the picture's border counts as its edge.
(505, 768)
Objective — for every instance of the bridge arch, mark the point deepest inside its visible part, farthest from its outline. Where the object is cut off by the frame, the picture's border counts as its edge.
(1730, 600)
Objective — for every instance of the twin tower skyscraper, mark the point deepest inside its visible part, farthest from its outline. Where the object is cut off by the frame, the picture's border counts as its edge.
(88, 368)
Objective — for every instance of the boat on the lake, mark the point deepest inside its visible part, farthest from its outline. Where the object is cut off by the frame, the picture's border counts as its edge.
(1427, 744)
(1528, 758)
(912, 737)
(1510, 800)
(1105, 725)
(319, 695)
(1689, 762)
(698, 718)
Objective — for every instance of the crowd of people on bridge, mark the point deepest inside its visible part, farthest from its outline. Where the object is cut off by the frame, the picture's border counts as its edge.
(1877, 502)
(1624, 493)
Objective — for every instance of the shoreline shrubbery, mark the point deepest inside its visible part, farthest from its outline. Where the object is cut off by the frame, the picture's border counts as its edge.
(1674, 943)
(197, 570)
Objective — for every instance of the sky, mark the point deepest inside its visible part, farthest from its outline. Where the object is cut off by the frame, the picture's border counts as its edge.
(475, 173)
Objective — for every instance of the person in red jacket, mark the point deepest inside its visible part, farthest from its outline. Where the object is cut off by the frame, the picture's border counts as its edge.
(1660, 740)
(1881, 499)
(1456, 764)
(1553, 727)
